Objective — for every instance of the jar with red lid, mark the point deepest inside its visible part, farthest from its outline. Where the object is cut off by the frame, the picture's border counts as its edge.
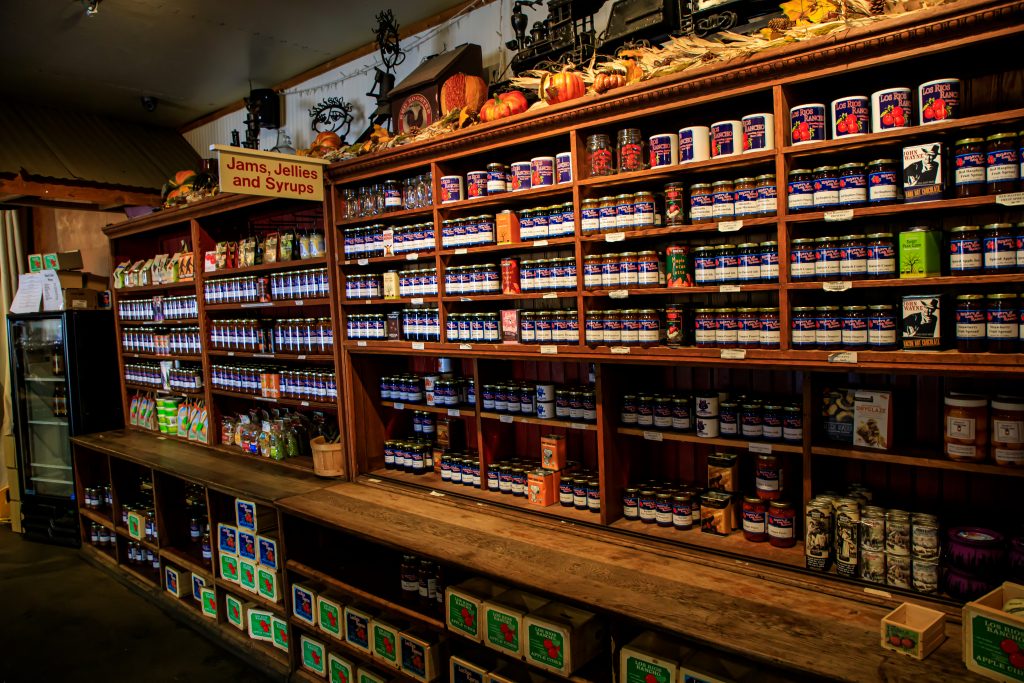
(969, 167)
(970, 323)
(768, 477)
(781, 524)
(1002, 170)
(755, 519)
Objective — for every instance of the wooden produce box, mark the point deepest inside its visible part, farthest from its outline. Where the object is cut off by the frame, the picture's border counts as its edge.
(562, 638)
(993, 640)
(503, 620)
(650, 654)
(463, 604)
(913, 630)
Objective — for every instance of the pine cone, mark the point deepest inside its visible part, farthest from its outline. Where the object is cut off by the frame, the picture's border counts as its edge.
(877, 7)
(780, 24)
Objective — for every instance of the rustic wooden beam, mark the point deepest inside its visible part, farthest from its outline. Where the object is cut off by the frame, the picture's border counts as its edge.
(25, 191)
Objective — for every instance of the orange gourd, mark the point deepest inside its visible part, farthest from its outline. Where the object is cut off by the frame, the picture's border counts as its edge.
(504, 105)
(608, 81)
(462, 91)
(561, 87)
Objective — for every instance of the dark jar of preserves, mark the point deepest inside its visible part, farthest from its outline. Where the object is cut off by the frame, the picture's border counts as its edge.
(965, 250)
(999, 248)
(705, 326)
(781, 524)
(855, 327)
(970, 323)
(1002, 325)
(1002, 171)
(881, 256)
(882, 330)
(800, 190)
(755, 519)
(630, 504)
(748, 334)
(768, 477)
(826, 187)
(803, 333)
(828, 328)
(883, 184)
(682, 511)
(969, 167)
(853, 255)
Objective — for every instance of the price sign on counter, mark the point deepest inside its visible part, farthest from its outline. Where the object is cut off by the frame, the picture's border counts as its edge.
(360, 343)
(398, 406)
(453, 412)
(507, 419)
(540, 243)
(725, 289)
(619, 350)
(363, 261)
(416, 301)
(412, 257)
(466, 347)
(460, 251)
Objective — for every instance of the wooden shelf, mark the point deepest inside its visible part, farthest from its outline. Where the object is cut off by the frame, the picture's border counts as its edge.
(94, 516)
(151, 289)
(281, 303)
(388, 218)
(256, 597)
(910, 460)
(525, 419)
(342, 647)
(302, 463)
(898, 209)
(552, 243)
(161, 390)
(670, 231)
(291, 357)
(412, 257)
(132, 355)
(313, 574)
(188, 561)
(404, 300)
(148, 545)
(672, 172)
(509, 198)
(737, 444)
(457, 411)
(103, 555)
(673, 291)
(146, 577)
(933, 281)
(510, 297)
(299, 403)
(265, 268)
(162, 323)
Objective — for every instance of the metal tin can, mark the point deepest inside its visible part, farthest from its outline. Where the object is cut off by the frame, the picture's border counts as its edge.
(678, 272)
(872, 566)
(563, 167)
(542, 171)
(925, 575)
(451, 189)
(925, 537)
(818, 535)
(897, 532)
(807, 123)
(521, 176)
(872, 530)
(897, 570)
(476, 184)
(847, 538)
(664, 150)
(510, 276)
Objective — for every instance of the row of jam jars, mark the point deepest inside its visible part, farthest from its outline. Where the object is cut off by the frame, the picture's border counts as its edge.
(854, 327)
(737, 328)
(850, 257)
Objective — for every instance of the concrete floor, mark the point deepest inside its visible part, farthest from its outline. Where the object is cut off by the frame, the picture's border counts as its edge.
(63, 619)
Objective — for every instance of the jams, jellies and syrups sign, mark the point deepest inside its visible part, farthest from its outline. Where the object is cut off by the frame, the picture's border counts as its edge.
(269, 174)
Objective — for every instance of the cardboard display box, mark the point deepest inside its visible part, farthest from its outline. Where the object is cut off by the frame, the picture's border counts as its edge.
(462, 606)
(503, 620)
(421, 654)
(339, 669)
(330, 618)
(313, 655)
(177, 581)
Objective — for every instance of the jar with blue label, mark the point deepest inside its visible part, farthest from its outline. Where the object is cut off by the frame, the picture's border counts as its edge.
(643, 210)
(727, 263)
(745, 193)
(630, 504)
(392, 196)
(882, 328)
(682, 511)
(726, 328)
(1002, 172)
(723, 199)
(827, 258)
(625, 210)
(999, 248)
(769, 261)
(1002, 324)
(855, 328)
(607, 214)
(767, 195)
(853, 255)
(800, 190)
(853, 185)
(969, 167)
(701, 203)
(705, 325)
(802, 258)
(826, 187)
(704, 266)
(803, 327)
(728, 419)
(828, 328)
(965, 250)
(749, 262)
(883, 182)
(771, 420)
(881, 256)
(771, 330)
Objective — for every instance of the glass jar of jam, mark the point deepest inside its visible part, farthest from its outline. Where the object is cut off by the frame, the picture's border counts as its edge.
(630, 335)
(853, 185)
(648, 270)
(802, 257)
(625, 212)
(781, 524)
(965, 250)
(1002, 173)
(727, 263)
(748, 335)
(643, 210)
(755, 523)
(771, 419)
(1002, 324)
(999, 248)
(650, 327)
(705, 327)
(769, 261)
(607, 216)
(1007, 433)
(969, 167)
(675, 204)
(882, 330)
(746, 197)
(768, 477)
(723, 196)
(682, 511)
(800, 190)
(855, 328)
(726, 328)
(590, 216)
(970, 323)
(881, 256)
(663, 508)
(600, 159)
(883, 187)
(648, 506)
(827, 258)
(770, 332)
(853, 257)
(828, 333)
(729, 419)
(804, 323)
(966, 435)
(751, 421)
(630, 504)
(701, 203)
(749, 266)
(792, 424)
(767, 195)
(826, 187)
(704, 266)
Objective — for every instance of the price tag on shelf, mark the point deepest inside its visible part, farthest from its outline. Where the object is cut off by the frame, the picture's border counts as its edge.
(619, 350)
(437, 494)
(461, 250)
(726, 289)
(367, 302)
(300, 302)
(548, 349)
(653, 436)
(266, 398)
(466, 347)
(301, 357)
(363, 261)
(373, 480)
(618, 294)
(414, 256)
(1010, 199)
(550, 295)
(398, 406)
(465, 298)
(135, 355)
(453, 412)
(231, 353)
(304, 404)
(843, 357)
(730, 226)
(733, 354)
(614, 237)
(762, 448)
(540, 243)
(837, 286)
(417, 346)
(256, 304)
(507, 419)
(578, 425)
(268, 355)
(360, 343)
(161, 438)
(838, 215)
(416, 301)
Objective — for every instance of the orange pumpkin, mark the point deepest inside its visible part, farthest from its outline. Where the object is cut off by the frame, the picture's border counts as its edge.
(327, 139)
(504, 105)
(462, 91)
(561, 87)
(608, 81)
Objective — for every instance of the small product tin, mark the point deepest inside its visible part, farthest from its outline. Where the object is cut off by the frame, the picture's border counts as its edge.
(664, 150)
(521, 176)
(758, 132)
(694, 144)
(726, 138)
(891, 108)
(807, 123)
(850, 116)
(563, 167)
(542, 171)
(451, 189)
(476, 184)
(939, 100)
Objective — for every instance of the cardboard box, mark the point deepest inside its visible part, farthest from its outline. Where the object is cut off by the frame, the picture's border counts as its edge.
(313, 655)
(247, 575)
(506, 227)
(923, 172)
(270, 384)
(421, 654)
(208, 600)
(234, 611)
(64, 260)
(229, 567)
(464, 669)
(136, 525)
(268, 584)
(76, 299)
(35, 263)
(650, 655)
(267, 546)
(304, 603)
(723, 472)
(562, 638)
(463, 604)
(717, 513)
(198, 584)
(391, 290)
(279, 627)
(913, 630)
(872, 419)
(503, 620)
(542, 486)
(76, 279)
(922, 321)
(227, 536)
(837, 414)
(330, 615)
(247, 546)
(393, 326)
(254, 518)
(177, 581)
(370, 676)
(920, 253)
(357, 628)
(339, 669)
(259, 624)
(552, 452)
(986, 626)
(510, 325)
(384, 642)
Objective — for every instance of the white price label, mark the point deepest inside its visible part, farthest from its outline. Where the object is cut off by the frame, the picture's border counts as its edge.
(725, 289)
(266, 398)
(507, 419)
(363, 261)
(653, 436)
(466, 347)
(1010, 199)
(578, 425)
(762, 448)
(368, 301)
(231, 353)
(373, 480)
(548, 349)
(453, 412)
(265, 355)
(135, 355)
(464, 298)
(412, 257)
(256, 305)
(540, 243)
(615, 237)
(417, 346)
(437, 494)
(551, 295)
(837, 286)
(161, 438)
(843, 357)
(619, 350)
(733, 354)
(618, 294)
(300, 302)
(301, 357)
(398, 406)
(461, 251)
(838, 215)
(730, 226)
(304, 404)
(360, 343)
(416, 301)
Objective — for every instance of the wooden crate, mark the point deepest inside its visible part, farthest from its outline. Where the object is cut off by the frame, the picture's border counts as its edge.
(993, 640)
(913, 630)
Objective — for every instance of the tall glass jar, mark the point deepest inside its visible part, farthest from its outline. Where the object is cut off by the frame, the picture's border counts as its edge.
(630, 150)
(600, 160)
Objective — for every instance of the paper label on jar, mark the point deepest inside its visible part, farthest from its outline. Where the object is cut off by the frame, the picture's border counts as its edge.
(1007, 431)
(615, 237)
(960, 428)
(838, 215)
(843, 356)
(961, 451)
(729, 226)
(1007, 456)
(1011, 199)
(836, 286)
(653, 436)
(733, 354)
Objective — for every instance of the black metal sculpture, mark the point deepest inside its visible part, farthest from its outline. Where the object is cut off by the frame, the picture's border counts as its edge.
(391, 55)
(332, 115)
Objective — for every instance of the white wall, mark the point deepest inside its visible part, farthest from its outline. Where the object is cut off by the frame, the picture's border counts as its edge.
(489, 26)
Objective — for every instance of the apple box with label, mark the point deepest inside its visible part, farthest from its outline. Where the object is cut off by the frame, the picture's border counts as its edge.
(198, 584)
(650, 658)
(177, 581)
(254, 518)
(384, 639)
(562, 638)
(357, 628)
(421, 654)
(503, 620)
(329, 615)
(304, 603)
(462, 606)
(234, 610)
(371, 676)
(229, 567)
(268, 551)
(247, 545)
(228, 538)
(136, 525)
(280, 630)
(993, 636)
(247, 575)
(339, 669)
(467, 670)
(208, 599)
(313, 655)
(259, 622)
(267, 584)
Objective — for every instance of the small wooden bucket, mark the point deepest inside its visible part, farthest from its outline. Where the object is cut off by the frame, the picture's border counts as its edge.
(328, 458)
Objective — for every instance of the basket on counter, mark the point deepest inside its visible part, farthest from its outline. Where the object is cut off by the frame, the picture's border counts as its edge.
(328, 458)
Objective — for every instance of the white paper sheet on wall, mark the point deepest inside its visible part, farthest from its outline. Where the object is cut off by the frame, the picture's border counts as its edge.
(29, 294)
(53, 298)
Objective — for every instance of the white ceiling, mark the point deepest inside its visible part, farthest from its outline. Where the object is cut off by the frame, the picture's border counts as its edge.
(195, 56)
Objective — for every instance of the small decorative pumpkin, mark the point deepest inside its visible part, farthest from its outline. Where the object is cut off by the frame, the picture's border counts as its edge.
(608, 81)
(504, 105)
(561, 87)
(462, 91)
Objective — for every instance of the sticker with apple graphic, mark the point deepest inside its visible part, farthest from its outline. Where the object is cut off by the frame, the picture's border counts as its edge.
(338, 673)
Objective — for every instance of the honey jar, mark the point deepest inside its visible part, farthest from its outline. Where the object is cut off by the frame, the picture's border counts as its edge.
(966, 434)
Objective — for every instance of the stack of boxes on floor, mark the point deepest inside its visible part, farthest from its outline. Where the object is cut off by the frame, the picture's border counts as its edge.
(248, 556)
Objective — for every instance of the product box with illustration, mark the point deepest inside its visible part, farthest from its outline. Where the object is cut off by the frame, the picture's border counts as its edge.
(267, 551)
(922, 322)
(313, 655)
(650, 658)
(247, 545)
(235, 610)
(365, 675)
(837, 408)
(384, 641)
(421, 653)
(254, 518)
(469, 668)
(542, 486)
(268, 584)
(920, 253)
(329, 615)
(357, 628)
(339, 669)
(562, 638)
(177, 581)
(247, 575)
(923, 172)
(463, 604)
(198, 584)
(229, 567)
(503, 620)
(304, 603)
(227, 535)
(552, 451)
(279, 627)
(913, 630)
(993, 633)
(872, 419)
(208, 600)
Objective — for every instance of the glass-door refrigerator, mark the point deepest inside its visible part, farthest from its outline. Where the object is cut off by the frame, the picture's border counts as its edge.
(64, 377)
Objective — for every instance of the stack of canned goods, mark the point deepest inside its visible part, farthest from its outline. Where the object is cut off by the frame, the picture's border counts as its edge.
(851, 328)
(746, 263)
(558, 326)
(545, 401)
(477, 279)
(892, 547)
(847, 186)
(481, 327)
(433, 390)
(171, 308)
(747, 197)
(161, 341)
(145, 374)
(850, 257)
(294, 384)
(185, 379)
(414, 455)
(620, 213)
(379, 240)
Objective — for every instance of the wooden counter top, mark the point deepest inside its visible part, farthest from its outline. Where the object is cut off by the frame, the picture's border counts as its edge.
(794, 627)
(250, 478)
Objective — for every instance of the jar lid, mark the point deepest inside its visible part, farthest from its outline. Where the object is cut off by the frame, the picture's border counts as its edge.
(966, 401)
(972, 535)
(725, 247)
(1000, 136)
(743, 180)
(703, 248)
(770, 243)
(781, 504)
(999, 226)
(827, 308)
(970, 297)
(1002, 296)
(803, 240)
(590, 201)
(753, 500)
(704, 310)
(725, 311)
(765, 176)
(880, 307)
(803, 309)
(630, 491)
(880, 235)
(702, 186)
(770, 309)
(822, 240)
(643, 193)
(965, 228)
(852, 237)
(748, 245)
(855, 308)
(851, 166)
(922, 228)
(968, 141)
(824, 169)
(681, 498)
(747, 310)
(1007, 405)
(722, 183)
(878, 162)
